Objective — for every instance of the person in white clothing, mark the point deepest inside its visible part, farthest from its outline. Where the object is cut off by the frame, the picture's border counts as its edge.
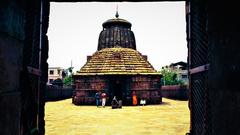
(104, 99)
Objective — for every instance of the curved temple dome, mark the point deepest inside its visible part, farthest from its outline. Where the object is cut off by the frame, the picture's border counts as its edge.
(117, 61)
(116, 31)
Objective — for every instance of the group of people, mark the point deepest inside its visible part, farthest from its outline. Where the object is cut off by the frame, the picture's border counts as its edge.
(101, 98)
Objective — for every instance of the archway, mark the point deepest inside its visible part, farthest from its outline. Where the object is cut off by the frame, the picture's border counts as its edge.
(113, 85)
(21, 36)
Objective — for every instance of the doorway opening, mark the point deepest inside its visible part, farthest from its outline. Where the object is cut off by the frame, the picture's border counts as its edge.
(117, 83)
(116, 87)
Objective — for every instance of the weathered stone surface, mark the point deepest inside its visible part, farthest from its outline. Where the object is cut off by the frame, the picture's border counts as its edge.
(10, 112)
(175, 92)
(19, 50)
(224, 69)
(10, 63)
(12, 18)
(144, 86)
(116, 32)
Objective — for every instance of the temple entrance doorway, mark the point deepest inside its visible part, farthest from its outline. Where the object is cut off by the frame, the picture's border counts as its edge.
(116, 86)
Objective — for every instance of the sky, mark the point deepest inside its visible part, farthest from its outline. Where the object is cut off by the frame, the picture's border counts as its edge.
(74, 28)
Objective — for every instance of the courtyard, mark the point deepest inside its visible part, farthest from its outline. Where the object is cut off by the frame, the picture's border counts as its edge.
(172, 117)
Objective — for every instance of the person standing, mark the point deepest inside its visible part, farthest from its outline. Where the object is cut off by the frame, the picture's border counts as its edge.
(97, 97)
(104, 98)
(134, 99)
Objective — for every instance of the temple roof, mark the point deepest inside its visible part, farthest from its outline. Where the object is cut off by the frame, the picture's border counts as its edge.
(117, 61)
(116, 21)
(116, 31)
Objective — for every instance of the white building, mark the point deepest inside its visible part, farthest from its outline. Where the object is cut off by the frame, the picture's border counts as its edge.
(55, 73)
(181, 69)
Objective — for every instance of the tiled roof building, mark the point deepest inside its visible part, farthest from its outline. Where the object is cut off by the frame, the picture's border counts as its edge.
(117, 61)
(117, 68)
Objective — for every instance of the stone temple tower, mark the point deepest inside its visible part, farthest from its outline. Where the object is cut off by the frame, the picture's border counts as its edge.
(117, 68)
(115, 32)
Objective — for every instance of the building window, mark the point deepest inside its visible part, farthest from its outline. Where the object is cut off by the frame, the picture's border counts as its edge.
(50, 80)
(59, 72)
(51, 72)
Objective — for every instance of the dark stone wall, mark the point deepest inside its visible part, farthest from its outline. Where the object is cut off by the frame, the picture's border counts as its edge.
(12, 36)
(175, 92)
(85, 89)
(21, 90)
(44, 64)
(224, 32)
(11, 63)
(13, 18)
(54, 93)
(147, 87)
(10, 108)
(219, 92)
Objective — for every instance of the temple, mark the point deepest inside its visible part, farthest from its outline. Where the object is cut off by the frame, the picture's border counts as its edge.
(117, 68)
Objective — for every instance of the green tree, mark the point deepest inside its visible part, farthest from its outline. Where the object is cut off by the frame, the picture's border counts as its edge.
(170, 78)
(67, 80)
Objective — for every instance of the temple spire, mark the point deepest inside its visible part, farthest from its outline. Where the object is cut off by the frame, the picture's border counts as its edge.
(116, 31)
(117, 15)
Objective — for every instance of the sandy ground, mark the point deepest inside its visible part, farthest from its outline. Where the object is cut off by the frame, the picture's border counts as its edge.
(169, 118)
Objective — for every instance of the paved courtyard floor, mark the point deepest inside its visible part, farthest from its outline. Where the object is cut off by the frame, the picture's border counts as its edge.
(170, 118)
